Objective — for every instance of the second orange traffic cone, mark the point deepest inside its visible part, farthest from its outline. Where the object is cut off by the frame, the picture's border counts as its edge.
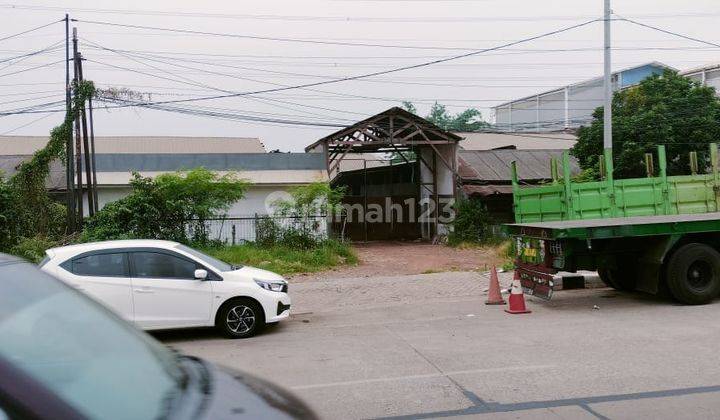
(517, 299)
(494, 296)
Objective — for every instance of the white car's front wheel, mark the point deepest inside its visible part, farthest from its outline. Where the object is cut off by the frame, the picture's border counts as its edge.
(241, 318)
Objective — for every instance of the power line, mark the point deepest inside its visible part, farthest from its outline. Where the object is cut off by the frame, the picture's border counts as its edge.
(394, 70)
(31, 30)
(32, 68)
(32, 109)
(51, 47)
(225, 115)
(665, 31)
(265, 38)
(281, 39)
(25, 125)
(315, 18)
(508, 51)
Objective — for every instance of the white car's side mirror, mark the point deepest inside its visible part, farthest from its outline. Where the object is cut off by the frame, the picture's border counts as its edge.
(201, 274)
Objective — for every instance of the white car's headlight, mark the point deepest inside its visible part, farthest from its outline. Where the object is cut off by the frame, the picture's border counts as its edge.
(273, 286)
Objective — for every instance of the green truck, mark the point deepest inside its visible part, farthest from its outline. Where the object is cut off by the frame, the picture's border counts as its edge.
(659, 234)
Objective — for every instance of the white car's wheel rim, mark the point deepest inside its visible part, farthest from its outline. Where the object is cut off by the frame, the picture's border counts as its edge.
(240, 319)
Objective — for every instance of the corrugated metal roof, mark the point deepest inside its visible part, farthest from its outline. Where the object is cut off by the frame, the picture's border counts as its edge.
(275, 177)
(258, 168)
(524, 141)
(494, 165)
(152, 162)
(486, 190)
(26, 145)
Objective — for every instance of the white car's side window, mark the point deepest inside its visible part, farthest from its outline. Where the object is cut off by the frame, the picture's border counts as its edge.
(100, 265)
(162, 265)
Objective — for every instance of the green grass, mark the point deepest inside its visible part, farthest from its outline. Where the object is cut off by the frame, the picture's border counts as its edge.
(284, 260)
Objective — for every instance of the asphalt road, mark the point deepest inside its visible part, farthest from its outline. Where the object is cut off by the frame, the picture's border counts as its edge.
(427, 347)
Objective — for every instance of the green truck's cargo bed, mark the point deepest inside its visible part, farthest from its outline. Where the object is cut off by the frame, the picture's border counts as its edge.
(651, 196)
(619, 227)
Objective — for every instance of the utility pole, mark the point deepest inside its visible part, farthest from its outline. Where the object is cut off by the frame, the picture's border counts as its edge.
(607, 112)
(607, 115)
(69, 173)
(78, 148)
(92, 154)
(86, 145)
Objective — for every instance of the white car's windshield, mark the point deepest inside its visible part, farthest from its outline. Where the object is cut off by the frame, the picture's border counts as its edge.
(97, 363)
(211, 261)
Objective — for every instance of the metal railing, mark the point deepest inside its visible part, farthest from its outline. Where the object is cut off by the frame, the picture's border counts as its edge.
(238, 230)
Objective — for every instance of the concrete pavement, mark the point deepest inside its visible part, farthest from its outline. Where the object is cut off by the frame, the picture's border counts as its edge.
(427, 347)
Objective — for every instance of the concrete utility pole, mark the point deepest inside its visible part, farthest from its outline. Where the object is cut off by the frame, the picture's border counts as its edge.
(607, 115)
(78, 146)
(69, 172)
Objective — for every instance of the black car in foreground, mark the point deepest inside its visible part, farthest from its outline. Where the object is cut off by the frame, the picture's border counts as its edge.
(63, 356)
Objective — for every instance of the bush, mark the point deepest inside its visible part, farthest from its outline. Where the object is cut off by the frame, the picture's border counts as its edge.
(33, 249)
(472, 223)
(302, 208)
(172, 206)
(267, 231)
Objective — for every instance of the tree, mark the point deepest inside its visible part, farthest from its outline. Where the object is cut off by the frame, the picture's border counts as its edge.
(172, 206)
(467, 120)
(664, 109)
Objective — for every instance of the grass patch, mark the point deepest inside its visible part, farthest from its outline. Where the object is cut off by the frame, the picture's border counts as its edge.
(285, 260)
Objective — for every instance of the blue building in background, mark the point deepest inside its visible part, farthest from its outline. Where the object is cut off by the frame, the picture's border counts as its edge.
(567, 107)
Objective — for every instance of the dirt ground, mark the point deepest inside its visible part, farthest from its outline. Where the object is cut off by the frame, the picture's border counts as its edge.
(402, 258)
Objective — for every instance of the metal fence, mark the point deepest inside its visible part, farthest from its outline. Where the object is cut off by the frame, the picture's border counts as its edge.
(238, 230)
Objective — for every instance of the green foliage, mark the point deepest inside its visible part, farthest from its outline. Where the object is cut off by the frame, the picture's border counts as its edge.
(33, 249)
(586, 175)
(302, 208)
(287, 260)
(663, 109)
(267, 231)
(467, 120)
(173, 206)
(7, 213)
(26, 209)
(472, 223)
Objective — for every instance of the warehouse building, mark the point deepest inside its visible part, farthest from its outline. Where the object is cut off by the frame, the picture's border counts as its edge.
(270, 175)
(567, 107)
(708, 75)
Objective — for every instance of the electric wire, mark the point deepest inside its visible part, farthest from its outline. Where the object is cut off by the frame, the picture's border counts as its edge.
(31, 30)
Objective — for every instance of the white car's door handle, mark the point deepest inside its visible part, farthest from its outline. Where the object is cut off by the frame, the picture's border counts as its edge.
(143, 290)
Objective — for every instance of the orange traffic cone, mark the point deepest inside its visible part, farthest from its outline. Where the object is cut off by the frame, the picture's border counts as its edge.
(517, 299)
(494, 296)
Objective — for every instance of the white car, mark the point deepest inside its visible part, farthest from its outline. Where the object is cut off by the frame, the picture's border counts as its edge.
(162, 284)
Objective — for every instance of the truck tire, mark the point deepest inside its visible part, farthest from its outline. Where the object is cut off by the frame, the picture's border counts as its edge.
(693, 274)
(622, 278)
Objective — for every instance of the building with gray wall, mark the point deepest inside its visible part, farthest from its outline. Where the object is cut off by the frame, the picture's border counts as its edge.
(567, 107)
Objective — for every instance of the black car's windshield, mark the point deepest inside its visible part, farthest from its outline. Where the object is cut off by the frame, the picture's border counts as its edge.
(94, 361)
(211, 261)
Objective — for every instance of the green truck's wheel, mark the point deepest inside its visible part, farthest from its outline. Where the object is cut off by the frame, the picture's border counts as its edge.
(622, 278)
(693, 274)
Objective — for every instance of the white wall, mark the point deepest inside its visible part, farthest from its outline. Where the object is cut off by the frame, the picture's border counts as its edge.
(258, 200)
(253, 203)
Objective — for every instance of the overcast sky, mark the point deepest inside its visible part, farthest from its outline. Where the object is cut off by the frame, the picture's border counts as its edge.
(175, 65)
